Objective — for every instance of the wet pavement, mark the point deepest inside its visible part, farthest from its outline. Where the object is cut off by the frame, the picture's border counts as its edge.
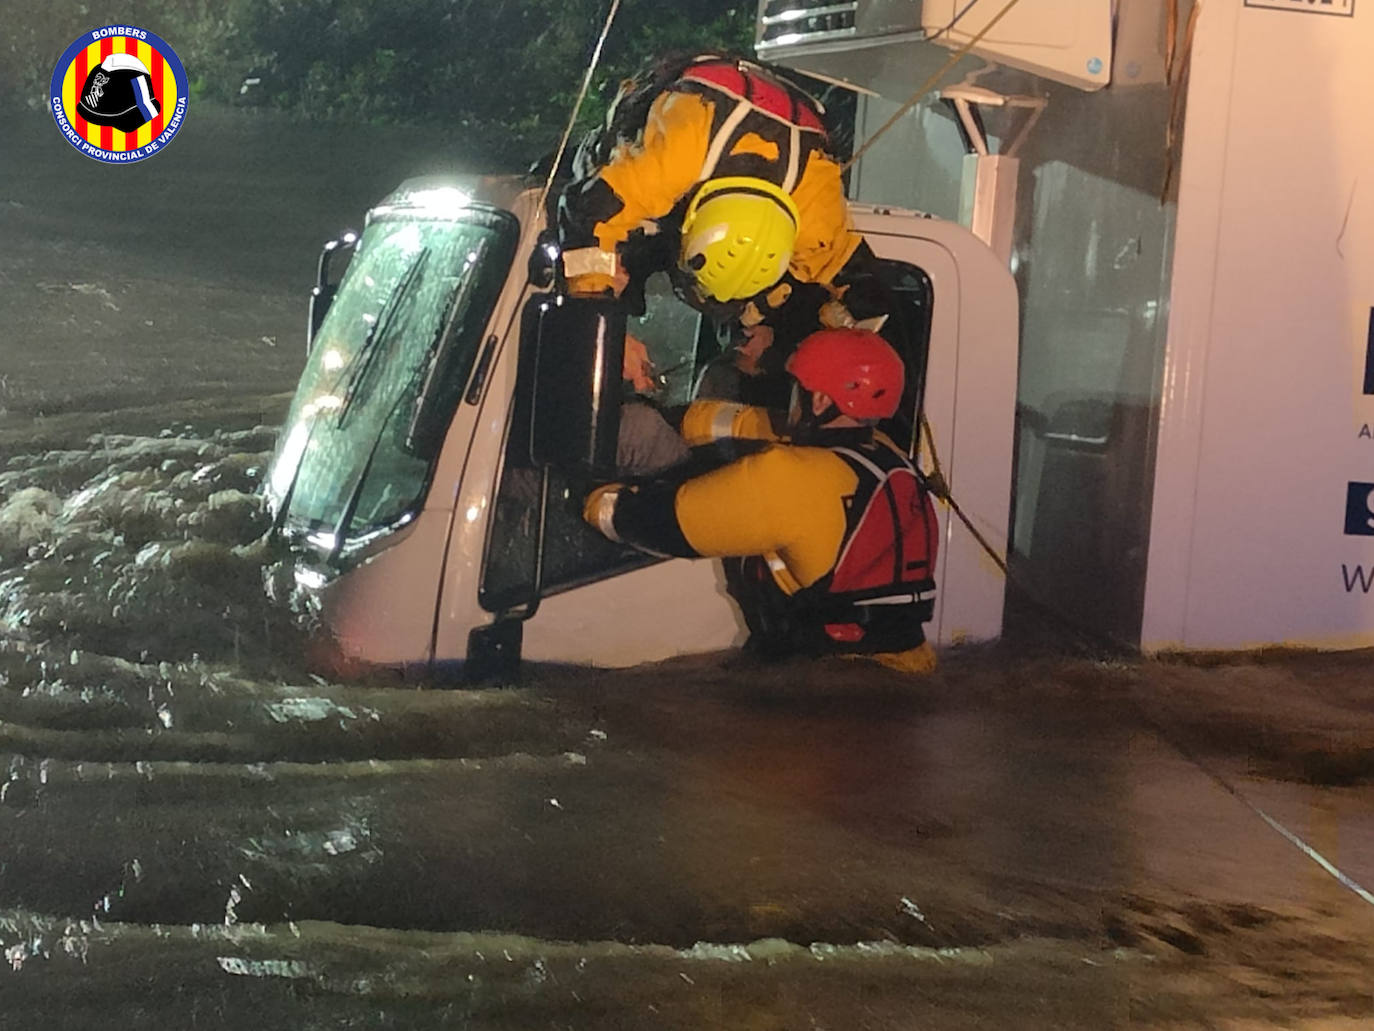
(197, 832)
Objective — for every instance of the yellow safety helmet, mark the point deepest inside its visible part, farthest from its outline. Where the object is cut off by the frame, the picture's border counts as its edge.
(737, 236)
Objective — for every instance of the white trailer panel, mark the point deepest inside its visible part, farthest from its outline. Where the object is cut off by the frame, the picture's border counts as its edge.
(1262, 528)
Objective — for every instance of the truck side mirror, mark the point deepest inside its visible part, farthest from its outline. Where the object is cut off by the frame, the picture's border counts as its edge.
(322, 294)
(578, 354)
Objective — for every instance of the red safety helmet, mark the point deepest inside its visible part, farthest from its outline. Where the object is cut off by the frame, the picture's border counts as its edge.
(855, 368)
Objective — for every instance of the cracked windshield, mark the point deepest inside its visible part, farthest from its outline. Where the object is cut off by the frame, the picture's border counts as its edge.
(590, 514)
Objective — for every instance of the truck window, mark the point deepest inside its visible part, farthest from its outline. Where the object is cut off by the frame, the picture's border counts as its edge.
(908, 330)
(670, 331)
(574, 553)
(407, 319)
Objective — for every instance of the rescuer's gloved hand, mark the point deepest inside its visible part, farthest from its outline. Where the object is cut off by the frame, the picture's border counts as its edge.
(749, 351)
(834, 315)
(637, 369)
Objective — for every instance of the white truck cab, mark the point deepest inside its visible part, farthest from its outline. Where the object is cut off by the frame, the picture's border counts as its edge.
(453, 409)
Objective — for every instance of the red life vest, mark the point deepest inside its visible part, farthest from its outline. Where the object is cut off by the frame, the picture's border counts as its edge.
(756, 92)
(882, 588)
(889, 550)
(891, 534)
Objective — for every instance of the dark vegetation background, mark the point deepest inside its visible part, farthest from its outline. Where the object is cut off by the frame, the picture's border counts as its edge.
(186, 275)
(503, 72)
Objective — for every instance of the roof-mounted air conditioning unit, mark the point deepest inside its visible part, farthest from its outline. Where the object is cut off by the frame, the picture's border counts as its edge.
(1065, 40)
(835, 24)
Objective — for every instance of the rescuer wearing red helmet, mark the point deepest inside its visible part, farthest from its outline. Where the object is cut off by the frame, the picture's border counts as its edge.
(840, 530)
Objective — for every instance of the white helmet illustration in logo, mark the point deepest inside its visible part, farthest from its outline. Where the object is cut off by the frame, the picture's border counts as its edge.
(119, 93)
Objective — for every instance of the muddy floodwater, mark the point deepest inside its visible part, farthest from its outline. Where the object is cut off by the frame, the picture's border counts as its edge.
(196, 832)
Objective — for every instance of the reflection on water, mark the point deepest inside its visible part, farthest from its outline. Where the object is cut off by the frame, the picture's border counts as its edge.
(171, 762)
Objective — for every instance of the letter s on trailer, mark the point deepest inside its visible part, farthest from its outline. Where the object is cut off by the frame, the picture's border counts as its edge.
(430, 470)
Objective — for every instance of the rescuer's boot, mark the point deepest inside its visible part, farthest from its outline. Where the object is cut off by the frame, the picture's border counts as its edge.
(918, 661)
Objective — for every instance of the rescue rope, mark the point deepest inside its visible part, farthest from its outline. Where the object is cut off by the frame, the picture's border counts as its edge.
(936, 484)
(1163, 733)
(577, 104)
(934, 79)
(939, 487)
(958, 17)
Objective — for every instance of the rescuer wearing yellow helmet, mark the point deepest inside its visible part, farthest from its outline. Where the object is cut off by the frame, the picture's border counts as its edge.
(738, 237)
(723, 179)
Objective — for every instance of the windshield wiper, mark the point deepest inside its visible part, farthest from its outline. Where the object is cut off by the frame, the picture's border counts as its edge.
(377, 334)
(355, 493)
(428, 366)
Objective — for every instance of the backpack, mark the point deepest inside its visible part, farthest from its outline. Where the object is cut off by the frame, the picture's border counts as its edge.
(891, 539)
(882, 587)
(629, 111)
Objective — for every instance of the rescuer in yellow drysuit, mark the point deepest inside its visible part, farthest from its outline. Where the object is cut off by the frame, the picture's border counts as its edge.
(724, 181)
(842, 529)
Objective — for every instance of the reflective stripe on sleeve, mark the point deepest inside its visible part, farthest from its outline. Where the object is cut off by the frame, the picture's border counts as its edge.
(589, 261)
(605, 514)
(723, 421)
(789, 182)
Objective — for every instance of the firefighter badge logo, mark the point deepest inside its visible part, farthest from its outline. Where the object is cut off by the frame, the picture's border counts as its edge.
(119, 94)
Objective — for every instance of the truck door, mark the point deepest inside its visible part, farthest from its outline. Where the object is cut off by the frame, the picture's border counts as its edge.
(537, 549)
(584, 598)
(606, 604)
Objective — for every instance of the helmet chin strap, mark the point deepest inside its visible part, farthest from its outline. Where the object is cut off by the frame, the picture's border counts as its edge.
(803, 421)
(688, 291)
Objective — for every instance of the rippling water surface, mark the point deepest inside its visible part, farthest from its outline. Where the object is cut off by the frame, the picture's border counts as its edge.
(185, 809)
